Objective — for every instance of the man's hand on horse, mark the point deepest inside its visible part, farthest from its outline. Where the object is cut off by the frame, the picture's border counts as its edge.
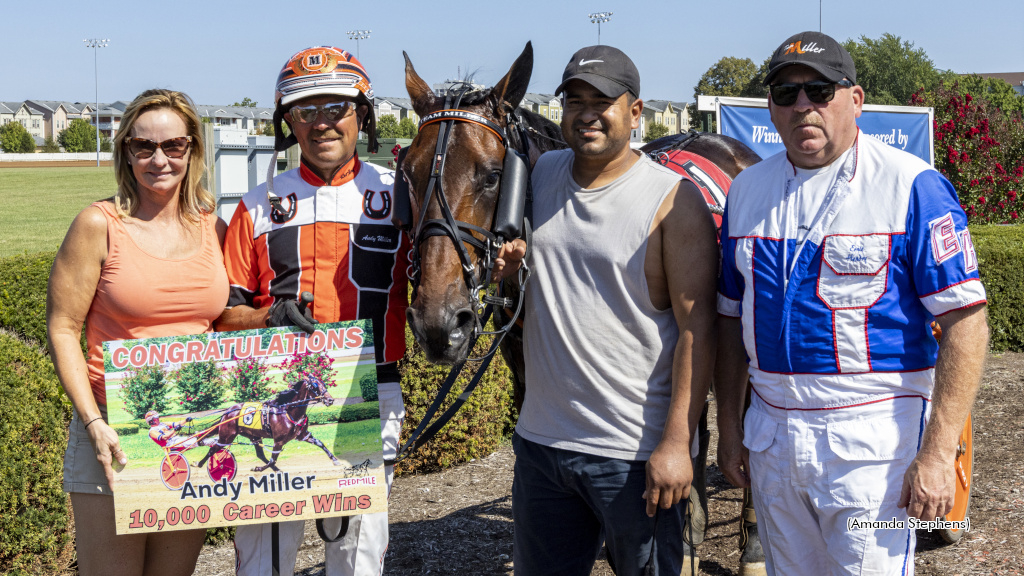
(510, 258)
(293, 313)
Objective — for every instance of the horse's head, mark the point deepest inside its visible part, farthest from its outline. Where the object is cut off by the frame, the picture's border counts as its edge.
(310, 387)
(467, 157)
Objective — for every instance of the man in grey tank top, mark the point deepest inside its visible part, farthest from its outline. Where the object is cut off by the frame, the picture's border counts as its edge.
(618, 340)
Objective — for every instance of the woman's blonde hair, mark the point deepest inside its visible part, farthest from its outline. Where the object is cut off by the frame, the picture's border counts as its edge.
(195, 200)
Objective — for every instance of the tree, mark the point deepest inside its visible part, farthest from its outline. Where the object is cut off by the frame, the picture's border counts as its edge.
(28, 143)
(268, 129)
(387, 127)
(654, 131)
(407, 128)
(996, 91)
(11, 137)
(50, 145)
(246, 103)
(890, 69)
(728, 77)
(79, 136)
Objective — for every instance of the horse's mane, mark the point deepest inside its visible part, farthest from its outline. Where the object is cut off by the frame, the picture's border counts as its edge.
(545, 134)
(283, 397)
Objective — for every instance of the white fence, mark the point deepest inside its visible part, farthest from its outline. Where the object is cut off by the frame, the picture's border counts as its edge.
(51, 157)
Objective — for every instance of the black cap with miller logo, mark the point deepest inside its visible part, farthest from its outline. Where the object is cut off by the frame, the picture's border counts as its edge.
(814, 50)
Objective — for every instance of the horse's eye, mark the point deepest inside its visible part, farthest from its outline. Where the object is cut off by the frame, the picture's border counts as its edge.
(492, 179)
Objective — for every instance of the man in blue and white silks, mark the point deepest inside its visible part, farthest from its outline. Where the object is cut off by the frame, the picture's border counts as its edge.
(837, 256)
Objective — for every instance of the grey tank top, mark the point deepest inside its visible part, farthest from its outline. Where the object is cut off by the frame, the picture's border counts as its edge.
(598, 353)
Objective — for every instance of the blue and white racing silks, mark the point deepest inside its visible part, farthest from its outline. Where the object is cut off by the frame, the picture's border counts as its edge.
(843, 317)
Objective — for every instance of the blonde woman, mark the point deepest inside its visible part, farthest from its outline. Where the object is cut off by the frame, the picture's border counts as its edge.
(144, 263)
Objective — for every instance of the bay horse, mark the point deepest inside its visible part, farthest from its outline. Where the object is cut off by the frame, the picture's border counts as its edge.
(282, 418)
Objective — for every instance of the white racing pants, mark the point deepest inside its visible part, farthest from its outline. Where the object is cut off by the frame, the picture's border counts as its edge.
(361, 551)
(816, 474)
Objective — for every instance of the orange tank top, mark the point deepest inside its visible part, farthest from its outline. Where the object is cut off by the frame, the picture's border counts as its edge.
(142, 296)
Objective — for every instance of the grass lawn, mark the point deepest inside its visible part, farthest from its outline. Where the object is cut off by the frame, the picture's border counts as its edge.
(40, 203)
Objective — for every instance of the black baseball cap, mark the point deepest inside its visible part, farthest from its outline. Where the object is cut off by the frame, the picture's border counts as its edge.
(604, 67)
(814, 50)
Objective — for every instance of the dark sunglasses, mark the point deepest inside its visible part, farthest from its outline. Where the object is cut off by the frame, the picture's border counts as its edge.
(817, 91)
(143, 148)
(332, 112)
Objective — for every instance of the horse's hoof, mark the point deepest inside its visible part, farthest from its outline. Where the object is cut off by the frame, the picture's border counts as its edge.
(337, 462)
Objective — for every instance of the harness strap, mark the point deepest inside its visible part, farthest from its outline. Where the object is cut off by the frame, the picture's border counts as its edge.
(423, 432)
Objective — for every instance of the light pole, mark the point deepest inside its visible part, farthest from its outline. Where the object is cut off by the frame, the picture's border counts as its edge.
(96, 44)
(358, 35)
(598, 18)
(819, 16)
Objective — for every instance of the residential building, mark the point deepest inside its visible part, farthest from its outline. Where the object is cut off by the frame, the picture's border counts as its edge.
(30, 118)
(56, 115)
(400, 108)
(108, 116)
(547, 105)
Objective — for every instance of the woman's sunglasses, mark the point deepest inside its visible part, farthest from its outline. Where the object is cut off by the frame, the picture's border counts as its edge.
(143, 148)
(817, 91)
(332, 112)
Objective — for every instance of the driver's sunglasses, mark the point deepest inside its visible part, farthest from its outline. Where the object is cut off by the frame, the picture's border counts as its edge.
(333, 112)
(817, 91)
(143, 148)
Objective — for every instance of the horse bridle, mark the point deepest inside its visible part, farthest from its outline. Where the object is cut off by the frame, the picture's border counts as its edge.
(508, 218)
(508, 223)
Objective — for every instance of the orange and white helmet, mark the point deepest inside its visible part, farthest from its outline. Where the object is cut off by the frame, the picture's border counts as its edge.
(152, 418)
(323, 70)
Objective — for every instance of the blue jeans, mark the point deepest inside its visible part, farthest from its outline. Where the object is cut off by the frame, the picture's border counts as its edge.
(565, 504)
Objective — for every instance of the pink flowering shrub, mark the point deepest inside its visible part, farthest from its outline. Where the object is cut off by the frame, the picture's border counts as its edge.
(248, 380)
(201, 385)
(144, 389)
(980, 149)
(317, 364)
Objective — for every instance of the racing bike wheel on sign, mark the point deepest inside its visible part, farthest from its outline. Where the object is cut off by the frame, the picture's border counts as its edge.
(964, 467)
(174, 471)
(222, 465)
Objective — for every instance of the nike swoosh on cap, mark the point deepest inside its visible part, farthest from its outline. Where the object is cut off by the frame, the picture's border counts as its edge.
(582, 62)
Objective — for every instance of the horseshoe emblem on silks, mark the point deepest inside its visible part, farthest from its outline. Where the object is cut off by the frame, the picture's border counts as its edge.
(279, 215)
(385, 205)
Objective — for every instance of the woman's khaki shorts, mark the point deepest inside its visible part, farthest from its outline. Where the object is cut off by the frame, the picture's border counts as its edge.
(82, 472)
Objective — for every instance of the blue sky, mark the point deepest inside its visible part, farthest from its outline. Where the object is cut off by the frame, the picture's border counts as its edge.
(219, 52)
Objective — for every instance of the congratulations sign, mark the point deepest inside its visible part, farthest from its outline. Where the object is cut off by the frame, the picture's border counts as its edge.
(245, 427)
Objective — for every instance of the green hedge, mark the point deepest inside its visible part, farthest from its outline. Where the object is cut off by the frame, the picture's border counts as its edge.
(125, 429)
(1001, 265)
(23, 294)
(34, 412)
(478, 428)
(343, 413)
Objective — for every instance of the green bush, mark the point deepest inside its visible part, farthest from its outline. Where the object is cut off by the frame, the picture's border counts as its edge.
(34, 414)
(1000, 261)
(201, 385)
(144, 389)
(343, 413)
(368, 387)
(248, 380)
(23, 294)
(477, 428)
(125, 429)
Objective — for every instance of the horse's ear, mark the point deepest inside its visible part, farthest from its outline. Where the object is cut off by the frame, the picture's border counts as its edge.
(423, 101)
(509, 91)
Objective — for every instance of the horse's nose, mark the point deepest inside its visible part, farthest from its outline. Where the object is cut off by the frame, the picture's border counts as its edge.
(461, 327)
(445, 337)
